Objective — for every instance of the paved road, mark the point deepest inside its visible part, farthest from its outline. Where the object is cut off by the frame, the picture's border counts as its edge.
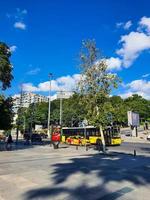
(128, 130)
(41, 172)
(128, 147)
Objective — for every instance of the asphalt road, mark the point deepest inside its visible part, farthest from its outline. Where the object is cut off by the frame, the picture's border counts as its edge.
(128, 147)
(40, 172)
(128, 130)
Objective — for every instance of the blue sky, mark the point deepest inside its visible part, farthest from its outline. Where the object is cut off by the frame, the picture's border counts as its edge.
(45, 36)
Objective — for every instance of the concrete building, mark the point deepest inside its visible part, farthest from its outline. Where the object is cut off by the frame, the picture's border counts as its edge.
(26, 99)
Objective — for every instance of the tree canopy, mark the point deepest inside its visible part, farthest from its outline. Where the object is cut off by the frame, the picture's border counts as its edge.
(6, 77)
(6, 113)
(75, 112)
(5, 66)
(96, 84)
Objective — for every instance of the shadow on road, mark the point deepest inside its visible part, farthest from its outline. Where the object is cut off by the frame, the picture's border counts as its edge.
(22, 145)
(116, 168)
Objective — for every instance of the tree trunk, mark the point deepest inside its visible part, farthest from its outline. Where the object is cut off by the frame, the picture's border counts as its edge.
(17, 134)
(102, 138)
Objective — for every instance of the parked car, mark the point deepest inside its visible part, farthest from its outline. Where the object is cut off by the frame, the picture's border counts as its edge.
(36, 138)
(43, 135)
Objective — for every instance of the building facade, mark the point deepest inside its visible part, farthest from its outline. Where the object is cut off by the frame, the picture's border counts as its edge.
(25, 99)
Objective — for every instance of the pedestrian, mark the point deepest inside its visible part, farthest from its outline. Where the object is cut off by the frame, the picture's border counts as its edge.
(146, 125)
(9, 142)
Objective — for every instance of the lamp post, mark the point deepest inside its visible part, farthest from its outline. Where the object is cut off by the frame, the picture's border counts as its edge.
(19, 112)
(60, 118)
(49, 106)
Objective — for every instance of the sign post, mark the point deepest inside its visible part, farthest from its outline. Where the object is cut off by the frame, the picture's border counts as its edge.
(133, 122)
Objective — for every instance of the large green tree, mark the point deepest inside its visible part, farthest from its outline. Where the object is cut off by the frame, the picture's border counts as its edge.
(133, 103)
(73, 111)
(5, 66)
(138, 104)
(6, 114)
(95, 85)
(119, 111)
(5, 82)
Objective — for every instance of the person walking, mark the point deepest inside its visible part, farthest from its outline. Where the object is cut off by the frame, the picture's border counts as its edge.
(9, 142)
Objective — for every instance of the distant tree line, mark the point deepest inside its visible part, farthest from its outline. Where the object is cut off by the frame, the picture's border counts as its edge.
(74, 111)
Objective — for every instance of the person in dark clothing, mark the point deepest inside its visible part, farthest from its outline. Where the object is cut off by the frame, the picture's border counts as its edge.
(9, 142)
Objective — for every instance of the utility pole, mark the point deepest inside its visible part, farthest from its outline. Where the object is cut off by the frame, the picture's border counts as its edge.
(60, 119)
(19, 110)
(24, 124)
(49, 106)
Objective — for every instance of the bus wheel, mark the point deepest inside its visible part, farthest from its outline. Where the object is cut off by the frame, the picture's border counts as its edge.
(99, 145)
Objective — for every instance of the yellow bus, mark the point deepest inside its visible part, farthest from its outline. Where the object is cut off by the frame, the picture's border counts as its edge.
(90, 134)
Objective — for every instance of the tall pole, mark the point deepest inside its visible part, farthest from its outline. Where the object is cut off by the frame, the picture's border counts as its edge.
(60, 121)
(18, 112)
(24, 124)
(49, 106)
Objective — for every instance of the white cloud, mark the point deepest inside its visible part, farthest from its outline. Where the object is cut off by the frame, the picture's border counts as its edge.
(13, 48)
(68, 82)
(18, 14)
(140, 87)
(145, 23)
(113, 63)
(29, 87)
(119, 24)
(132, 45)
(145, 75)
(20, 25)
(127, 25)
(123, 25)
(18, 17)
(34, 71)
(46, 85)
(64, 83)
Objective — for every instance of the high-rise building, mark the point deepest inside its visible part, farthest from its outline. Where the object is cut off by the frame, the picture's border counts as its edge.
(25, 99)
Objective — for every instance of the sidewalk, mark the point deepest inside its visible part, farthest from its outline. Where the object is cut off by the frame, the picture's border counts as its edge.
(142, 135)
(131, 139)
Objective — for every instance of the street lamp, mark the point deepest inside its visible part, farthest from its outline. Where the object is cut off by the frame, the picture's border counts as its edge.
(60, 118)
(49, 105)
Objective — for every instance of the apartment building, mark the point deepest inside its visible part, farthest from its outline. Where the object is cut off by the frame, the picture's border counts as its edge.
(25, 99)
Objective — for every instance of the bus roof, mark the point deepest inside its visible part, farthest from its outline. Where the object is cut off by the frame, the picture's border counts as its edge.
(78, 127)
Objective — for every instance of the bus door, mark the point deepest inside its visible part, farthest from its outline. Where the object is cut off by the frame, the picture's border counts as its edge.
(108, 135)
(116, 138)
(94, 135)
